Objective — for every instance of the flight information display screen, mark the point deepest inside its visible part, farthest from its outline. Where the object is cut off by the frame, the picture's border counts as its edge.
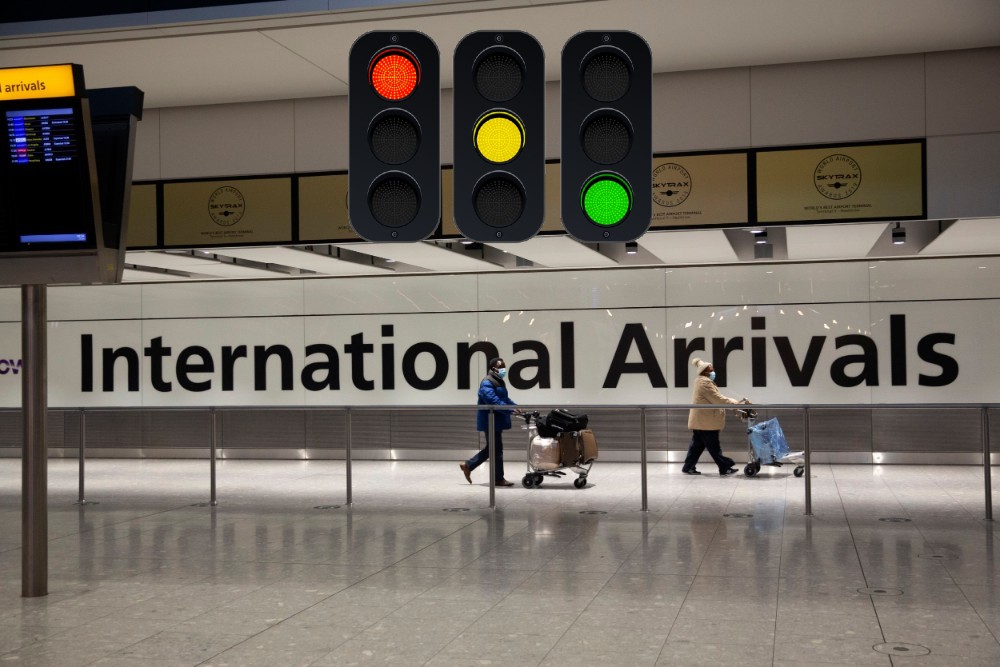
(40, 136)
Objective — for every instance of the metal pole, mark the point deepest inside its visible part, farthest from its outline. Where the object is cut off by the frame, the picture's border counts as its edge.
(34, 454)
(82, 456)
(987, 463)
(642, 457)
(807, 467)
(347, 455)
(212, 454)
(491, 445)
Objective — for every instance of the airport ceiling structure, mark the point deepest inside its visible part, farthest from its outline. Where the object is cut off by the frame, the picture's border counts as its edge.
(254, 52)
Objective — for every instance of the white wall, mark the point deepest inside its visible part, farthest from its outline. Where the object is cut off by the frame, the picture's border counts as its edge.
(954, 301)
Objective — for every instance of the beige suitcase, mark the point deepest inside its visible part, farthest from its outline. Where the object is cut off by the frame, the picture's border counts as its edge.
(544, 453)
(589, 442)
(569, 449)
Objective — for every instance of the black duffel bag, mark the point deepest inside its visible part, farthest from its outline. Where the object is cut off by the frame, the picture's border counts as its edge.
(563, 421)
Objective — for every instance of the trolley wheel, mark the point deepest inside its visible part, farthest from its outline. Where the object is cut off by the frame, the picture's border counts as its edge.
(798, 471)
(749, 470)
(580, 482)
(528, 481)
(538, 478)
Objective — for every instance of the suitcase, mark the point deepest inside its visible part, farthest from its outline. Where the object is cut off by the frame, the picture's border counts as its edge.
(544, 453)
(569, 449)
(589, 442)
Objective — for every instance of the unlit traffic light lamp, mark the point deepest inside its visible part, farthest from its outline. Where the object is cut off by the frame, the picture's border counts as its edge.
(394, 135)
(606, 184)
(499, 145)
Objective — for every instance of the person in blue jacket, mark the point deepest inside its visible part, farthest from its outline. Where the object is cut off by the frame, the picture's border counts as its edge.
(492, 391)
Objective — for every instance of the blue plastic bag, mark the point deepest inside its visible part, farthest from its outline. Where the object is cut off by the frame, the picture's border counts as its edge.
(768, 441)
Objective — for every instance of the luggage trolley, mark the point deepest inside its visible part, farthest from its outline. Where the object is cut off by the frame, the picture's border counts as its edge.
(558, 442)
(767, 445)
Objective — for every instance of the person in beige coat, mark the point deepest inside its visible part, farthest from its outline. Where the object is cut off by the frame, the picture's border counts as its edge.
(706, 424)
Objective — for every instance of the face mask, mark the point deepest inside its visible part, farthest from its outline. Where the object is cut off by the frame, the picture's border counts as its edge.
(711, 376)
(502, 373)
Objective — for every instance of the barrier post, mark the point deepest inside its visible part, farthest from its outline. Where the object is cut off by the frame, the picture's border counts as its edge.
(492, 445)
(82, 456)
(642, 457)
(212, 454)
(347, 456)
(807, 469)
(987, 464)
(34, 449)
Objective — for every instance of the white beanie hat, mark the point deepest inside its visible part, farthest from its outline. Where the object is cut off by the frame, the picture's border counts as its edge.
(700, 364)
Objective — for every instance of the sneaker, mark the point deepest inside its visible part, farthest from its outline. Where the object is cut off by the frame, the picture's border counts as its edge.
(692, 471)
(731, 471)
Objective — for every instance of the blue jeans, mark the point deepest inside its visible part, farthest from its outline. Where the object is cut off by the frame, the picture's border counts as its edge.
(702, 440)
(484, 455)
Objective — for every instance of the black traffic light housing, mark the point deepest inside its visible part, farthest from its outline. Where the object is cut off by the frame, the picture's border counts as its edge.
(607, 142)
(394, 135)
(499, 136)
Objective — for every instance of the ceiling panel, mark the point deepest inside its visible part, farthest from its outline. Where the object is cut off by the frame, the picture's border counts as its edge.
(132, 276)
(303, 259)
(192, 70)
(202, 267)
(831, 241)
(306, 56)
(977, 236)
(689, 247)
(556, 251)
(424, 255)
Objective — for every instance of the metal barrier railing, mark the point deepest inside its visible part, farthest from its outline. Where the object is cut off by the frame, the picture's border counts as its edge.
(805, 409)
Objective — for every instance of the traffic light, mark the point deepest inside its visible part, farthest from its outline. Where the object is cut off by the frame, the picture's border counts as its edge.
(607, 143)
(499, 136)
(394, 179)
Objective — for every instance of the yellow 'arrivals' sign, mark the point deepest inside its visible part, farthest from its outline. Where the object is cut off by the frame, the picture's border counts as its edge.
(28, 83)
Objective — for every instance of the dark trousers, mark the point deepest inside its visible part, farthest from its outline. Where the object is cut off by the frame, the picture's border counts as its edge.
(484, 455)
(702, 440)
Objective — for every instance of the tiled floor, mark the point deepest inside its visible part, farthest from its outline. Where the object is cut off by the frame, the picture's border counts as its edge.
(145, 578)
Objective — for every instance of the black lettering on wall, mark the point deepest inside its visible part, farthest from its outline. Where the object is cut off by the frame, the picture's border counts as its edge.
(260, 356)
(229, 357)
(868, 360)
(948, 365)
(465, 354)
(357, 348)
(897, 349)
(157, 353)
(185, 367)
(330, 365)
(540, 364)
(410, 366)
(388, 359)
(131, 358)
(567, 350)
(758, 353)
(634, 333)
(721, 350)
(799, 376)
(87, 362)
(682, 358)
